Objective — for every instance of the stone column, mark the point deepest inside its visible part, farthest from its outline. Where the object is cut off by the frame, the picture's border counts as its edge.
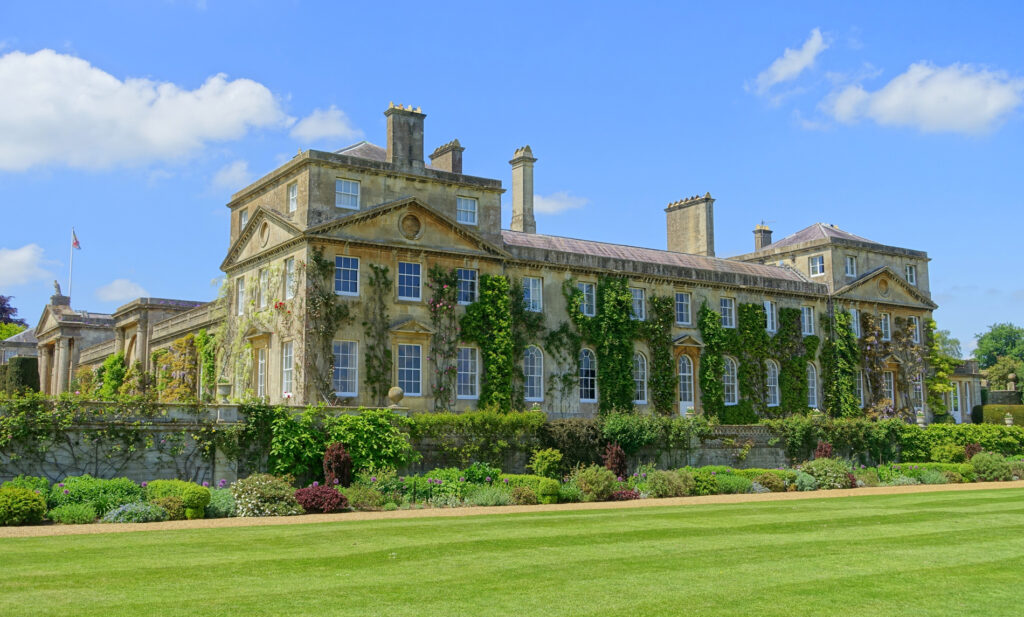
(142, 342)
(118, 340)
(63, 365)
(44, 370)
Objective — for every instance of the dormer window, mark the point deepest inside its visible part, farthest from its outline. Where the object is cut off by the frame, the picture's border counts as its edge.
(465, 210)
(293, 196)
(243, 218)
(911, 274)
(816, 265)
(851, 265)
(346, 194)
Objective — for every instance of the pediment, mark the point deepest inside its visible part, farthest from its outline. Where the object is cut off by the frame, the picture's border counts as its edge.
(47, 321)
(884, 286)
(410, 325)
(256, 332)
(410, 223)
(686, 340)
(265, 230)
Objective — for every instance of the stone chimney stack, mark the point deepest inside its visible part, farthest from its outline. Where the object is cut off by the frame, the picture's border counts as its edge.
(522, 191)
(405, 136)
(691, 225)
(448, 157)
(762, 236)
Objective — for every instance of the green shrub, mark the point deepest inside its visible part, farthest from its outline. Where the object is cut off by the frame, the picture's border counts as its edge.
(867, 477)
(788, 476)
(138, 512)
(729, 484)
(222, 504)
(265, 495)
(102, 495)
(21, 506)
(805, 482)
(569, 493)
(772, 482)
(515, 480)
(167, 488)
(687, 480)
(905, 481)
(888, 473)
(953, 477)
(704, 482)
(991, 467)
(1016, 469)
(33, 483)
(666, 484)
(546, 463)
(578, 439)
(22, 375)
(829, 473)
(477, 473)
(996, 414)
(195, 498)
(363, 497)
(174, 507)
(524, 496)
(948, 453)
(488, 496)
(73, 514)
(547, 491)
(596, 483)
(933, 476)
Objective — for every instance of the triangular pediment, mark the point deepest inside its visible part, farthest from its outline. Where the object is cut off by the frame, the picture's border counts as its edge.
(883, 286)
(686, 340)
(48, 321)
(265, 230)
(411, 325)
(407, 222)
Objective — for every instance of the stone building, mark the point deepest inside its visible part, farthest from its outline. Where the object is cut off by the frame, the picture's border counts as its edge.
(366, 207)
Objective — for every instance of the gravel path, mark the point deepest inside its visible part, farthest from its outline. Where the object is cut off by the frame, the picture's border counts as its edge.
(60, 530)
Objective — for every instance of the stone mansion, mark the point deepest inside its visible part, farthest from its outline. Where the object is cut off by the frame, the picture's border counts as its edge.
(367, 206)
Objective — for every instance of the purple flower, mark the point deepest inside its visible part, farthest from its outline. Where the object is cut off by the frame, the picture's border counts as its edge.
(62, 485)
(461, 479)
(222, 483)
(335, 480)
(712, 473)
(644, 475)
(66, 491)
(144, 484)
(488, 479)
(315, 483)
(401, 478)
(206, 484)
(506, 480)
(373, 479)
(620, 478)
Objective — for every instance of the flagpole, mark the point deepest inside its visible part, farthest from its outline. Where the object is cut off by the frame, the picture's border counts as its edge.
(71, 260)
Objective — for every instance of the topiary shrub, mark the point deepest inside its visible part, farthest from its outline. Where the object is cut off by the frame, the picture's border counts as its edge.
(489, 496)
(156, 489)
(337, 465)
(32, 483)
(948, 453)
(991, 467)
(596, 483)
(665, 484)
(830, 473)
(21, 506)
(615, 460)
(729, 484)
(366, 498)
(546, 462)
(265, 495)
(138, 512)
(625, 494)
(102, 495)
(73, 514)
(772, 482)
(195, 498)
(174, 507)
(22, 375)
(547, 491)
(322, 499)
(805, 482)
(524, 496)
(222, 504)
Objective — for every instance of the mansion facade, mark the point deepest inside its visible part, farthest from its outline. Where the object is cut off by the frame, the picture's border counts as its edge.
(366, 207)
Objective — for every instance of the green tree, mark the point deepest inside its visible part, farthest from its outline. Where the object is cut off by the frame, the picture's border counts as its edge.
(7, 330)
(1002, 339)
(948, 345)
(998, 374)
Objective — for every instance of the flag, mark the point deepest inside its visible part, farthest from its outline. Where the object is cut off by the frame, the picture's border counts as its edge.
(74, 241)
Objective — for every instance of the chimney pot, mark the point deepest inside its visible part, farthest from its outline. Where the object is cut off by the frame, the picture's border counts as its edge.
(448, 157)
(405, 136)
(522, 191)
(762, 237)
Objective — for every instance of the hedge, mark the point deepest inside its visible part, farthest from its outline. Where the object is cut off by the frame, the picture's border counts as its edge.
(22, 374)
(996, 414)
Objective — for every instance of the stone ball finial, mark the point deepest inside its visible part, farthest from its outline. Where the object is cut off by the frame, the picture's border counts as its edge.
(395, 395)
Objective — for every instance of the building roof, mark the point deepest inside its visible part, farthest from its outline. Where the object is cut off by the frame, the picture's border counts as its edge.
(817, 231)
(646, 255)
(25, 336)
(368, 151)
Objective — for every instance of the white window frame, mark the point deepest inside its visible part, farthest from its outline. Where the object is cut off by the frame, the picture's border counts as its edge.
(535, 305)
(889, 387)
(860, 388)
(343, 264)
(727, 310)
(910, 272)
(588, 303)
(639, 378)
(816, 262)
(812, 386)
(915, 329)
(917, 392)
(263, 290)
(807, 320)
(409, 374)
(293, 196)
(851, 265)
(885, 325)
(855, 322)
(639, 300)
(240, 295)
(954, 398)
(771, 383)
(336, 379)
(730, 381)
(471, 282)
(243, 219)
(289, 278)
(343, 195)
(261, 372)
(529, 366)
(688, 302)
(771, 316)
(590, 378)
(466, 209)
(419, 281)
(686, 379)
(472, 363)
(287, 365)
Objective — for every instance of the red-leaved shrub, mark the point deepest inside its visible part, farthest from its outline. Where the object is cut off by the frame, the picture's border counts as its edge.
(320, 499)
(824, 450)
(971, 449)
(337, 465)
(615, 460)
(625, 495)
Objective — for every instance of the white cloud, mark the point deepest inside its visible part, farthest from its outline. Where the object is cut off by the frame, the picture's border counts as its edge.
(557, 202)
(324, 124)
(233, 177)
(121, 290)
(958, 98)
(24, 265)
(792, 62)
(59, 109)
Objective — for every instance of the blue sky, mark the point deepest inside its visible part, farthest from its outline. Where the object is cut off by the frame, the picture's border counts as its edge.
(134, 122)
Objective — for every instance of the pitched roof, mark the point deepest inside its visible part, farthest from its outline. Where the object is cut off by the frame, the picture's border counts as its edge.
(653, 256)
(817, 231)
(25, 336)
(368, 151)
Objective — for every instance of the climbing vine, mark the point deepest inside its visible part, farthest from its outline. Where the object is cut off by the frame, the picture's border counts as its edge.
(376, 323)
(840, 362)
(875, 356)
(206, 347)
(488, 323)
(712, 362)
(657, 333)
(444, 285)
(326, 313)
(941, 368)
(792, 350)
(527, 327)
(563, 347)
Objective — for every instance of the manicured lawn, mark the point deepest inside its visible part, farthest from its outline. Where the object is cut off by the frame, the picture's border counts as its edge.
(957, 553)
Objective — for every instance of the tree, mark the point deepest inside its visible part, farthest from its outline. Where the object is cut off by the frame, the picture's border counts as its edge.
(1002, 339)
(948, 345)
(7, 330)
(9, 314)
(998, 374)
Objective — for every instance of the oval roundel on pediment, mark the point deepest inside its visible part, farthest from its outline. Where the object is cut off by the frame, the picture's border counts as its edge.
(410, 226)
(264, 234)
(883, 287)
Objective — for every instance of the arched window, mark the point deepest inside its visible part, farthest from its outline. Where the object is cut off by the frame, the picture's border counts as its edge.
(588, 376)
(686, 398)
(772, 383)
(533, 372)
(812, 386)
(639, 379)
(730, 382)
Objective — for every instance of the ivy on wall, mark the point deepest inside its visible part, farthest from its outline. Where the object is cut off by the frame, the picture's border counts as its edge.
(712, 361)
(376, 324)
(840, 362)
(488, 323)
(325, 315)
(941, 368)
(656, 332)
(527, 327)
(563, 345)
(875, 353)
(792, 350)
(444, 285)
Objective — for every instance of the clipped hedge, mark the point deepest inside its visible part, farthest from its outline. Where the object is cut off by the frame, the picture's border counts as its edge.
(22, 374)
(484, 436)
(996, 414)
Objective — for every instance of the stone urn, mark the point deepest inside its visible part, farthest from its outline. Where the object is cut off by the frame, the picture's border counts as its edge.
(224, 391)
(1008, 419)
(920, 417)
(395, 395)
